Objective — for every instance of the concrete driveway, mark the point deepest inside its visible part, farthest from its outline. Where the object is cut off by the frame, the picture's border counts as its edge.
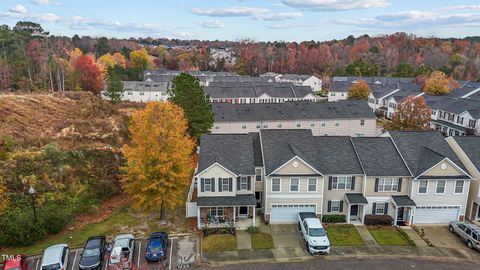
(287, 240)
(442, 238)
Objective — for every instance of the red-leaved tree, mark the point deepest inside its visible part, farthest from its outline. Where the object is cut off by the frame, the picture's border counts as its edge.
(89, 74)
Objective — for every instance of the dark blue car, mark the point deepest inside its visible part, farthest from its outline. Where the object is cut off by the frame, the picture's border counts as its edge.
(157, 247)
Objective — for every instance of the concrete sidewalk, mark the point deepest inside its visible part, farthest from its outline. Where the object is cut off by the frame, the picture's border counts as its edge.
(366, 235)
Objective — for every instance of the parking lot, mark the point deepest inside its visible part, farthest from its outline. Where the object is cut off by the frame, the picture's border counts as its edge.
(181, 255)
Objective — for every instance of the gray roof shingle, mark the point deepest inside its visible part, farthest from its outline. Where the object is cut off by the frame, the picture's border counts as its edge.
(471, 146)
(301, 110)
(423, 149)
(379, 157)
(403, 200)
(356, 198)
(232, 151)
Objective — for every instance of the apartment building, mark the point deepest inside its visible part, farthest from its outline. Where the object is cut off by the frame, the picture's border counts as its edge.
(345, 118)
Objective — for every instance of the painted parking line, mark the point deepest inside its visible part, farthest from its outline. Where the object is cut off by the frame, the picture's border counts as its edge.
(74, 259)
(138, 257)
(36, 266)
(171, 254)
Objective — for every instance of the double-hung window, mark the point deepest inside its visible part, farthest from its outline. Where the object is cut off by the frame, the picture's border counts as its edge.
(294, 182)
(387, 184)
(312, 184)
(379, 208)
(459, 186)
(275, 184)
(217, 212)
(207, 184)
(440, 187)
(422, 187)
(335, 206)
(258, 174)
(225, 184)
(243, 182)
(342, 182)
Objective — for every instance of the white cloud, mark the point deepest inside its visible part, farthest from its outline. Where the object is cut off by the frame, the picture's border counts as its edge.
(18, 9)
(292, 25)
(229, 11)
(278, 16)
(461, 7)
(335, 5)
(212, 24)
(44, 2)
(49, 17)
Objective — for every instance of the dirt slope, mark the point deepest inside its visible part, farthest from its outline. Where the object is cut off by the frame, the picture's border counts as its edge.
(72, 119)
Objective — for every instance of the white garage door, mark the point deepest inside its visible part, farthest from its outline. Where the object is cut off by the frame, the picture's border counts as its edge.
(288, 213)
(435, 214)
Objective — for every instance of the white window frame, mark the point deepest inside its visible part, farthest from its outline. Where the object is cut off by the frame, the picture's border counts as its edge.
(382, 206)
(227, 183)
(217, 210)
(205, 184)
(298, 125)
(348, 182)
(243, 182)
(419, 186)
(279, 185)
(444, 186)
(337, 124)
(265, 125)
(244, 126)
(337, 207)
(455, 188)
(362, 122)
(279, 126)
(393, 187)
(298, 184)
(308, 184)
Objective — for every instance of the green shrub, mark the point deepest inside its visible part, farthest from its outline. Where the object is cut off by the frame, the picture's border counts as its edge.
(220, 230)
(334, 219)
(253, 229)
(17, 228)
(54, 217)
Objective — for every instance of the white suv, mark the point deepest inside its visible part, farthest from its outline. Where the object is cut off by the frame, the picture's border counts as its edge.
(55, 258)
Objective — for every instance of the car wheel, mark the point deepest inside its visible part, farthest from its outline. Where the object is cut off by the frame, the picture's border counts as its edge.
(469, 244)
(450, 228)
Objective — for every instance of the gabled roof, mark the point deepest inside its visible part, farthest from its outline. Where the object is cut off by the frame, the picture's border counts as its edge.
(379, 157)
(232, 151)
(327, 155)
(423, 149)
(256, 90)
(298, 110)
(471, 146)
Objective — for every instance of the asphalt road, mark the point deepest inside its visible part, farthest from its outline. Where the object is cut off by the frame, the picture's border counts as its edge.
(320, 264)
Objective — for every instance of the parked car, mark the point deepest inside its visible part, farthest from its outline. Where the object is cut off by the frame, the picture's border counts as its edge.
(17, 262)
(55, 257)
(469, 233)
(93, 252)
(157, 247)
(313, 233)
(121, 255)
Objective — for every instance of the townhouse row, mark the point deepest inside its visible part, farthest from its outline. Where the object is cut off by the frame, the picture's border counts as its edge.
(414, 177)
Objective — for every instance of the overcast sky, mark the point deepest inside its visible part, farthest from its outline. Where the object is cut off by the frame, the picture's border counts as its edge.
(289, 20)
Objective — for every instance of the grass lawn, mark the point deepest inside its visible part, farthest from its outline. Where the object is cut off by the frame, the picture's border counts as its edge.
(343, 235)
(120, 218)
(388, 235)
(219, 243)
(261, 241)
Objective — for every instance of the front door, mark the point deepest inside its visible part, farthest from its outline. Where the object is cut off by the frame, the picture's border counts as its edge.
(400, 213)
(243, 212)
(353, 212)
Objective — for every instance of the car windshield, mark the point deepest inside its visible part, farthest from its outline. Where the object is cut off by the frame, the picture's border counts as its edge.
(155, 245)
(55, 266)
(316, 232)
(92, 252)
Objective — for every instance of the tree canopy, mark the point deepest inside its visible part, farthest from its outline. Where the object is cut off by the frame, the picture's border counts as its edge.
(187, 93)
(411, 114)
(439, 84)
(159, 162)
(359, 90)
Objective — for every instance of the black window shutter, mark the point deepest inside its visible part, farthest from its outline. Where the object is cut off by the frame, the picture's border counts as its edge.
(341, 206)
(230, 184)
(202, 185)
(376, 184)
(353, 183)
(330, 179)
(220, 185)
(329, 206)
(386, 209)
(238, 183)
(249, 183)
(374, 206)
(212, 181)
(399, 189)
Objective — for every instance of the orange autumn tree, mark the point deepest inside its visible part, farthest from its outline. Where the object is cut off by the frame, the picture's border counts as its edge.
(159, 160)
(439, 84)
(412, 114)
(359, 90)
